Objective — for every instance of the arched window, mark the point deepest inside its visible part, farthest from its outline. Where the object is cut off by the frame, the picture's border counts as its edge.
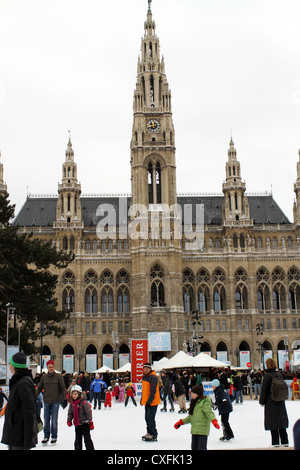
(157, 293)
(107, 300)
(202, 301)
(150, 183)
(123, 300)
(188, 298)
(217, 300)
(91, 300)
(158, 183)
(68, 299)
(157, 286)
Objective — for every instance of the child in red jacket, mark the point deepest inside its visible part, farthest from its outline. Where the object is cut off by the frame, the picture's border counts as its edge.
(108, 397)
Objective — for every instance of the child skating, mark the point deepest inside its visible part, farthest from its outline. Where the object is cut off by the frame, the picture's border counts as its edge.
(200, 416)
(80, 414)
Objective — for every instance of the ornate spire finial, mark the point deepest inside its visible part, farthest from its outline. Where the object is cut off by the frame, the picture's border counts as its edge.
(149, 6)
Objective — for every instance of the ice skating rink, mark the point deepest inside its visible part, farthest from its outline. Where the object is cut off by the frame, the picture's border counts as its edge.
(121, 428)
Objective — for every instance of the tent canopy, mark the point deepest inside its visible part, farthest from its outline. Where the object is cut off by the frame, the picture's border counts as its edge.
(204, 360)
(125, 368)
(180, 360)
(103, 369)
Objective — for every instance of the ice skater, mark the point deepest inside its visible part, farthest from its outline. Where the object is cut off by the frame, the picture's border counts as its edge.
(224, 406)
(200, 416)
(80, 413)
(130, 393)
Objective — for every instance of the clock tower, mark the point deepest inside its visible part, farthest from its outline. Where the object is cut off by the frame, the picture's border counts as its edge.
(153, 172)
(156, 252)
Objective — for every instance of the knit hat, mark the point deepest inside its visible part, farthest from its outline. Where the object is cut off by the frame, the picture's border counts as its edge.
(147, 364)
(19, 360)
(215, 383)
(198, 389)
(50, 362)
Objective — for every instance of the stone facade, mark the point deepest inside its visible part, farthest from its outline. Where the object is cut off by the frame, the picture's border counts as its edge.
(137, 268)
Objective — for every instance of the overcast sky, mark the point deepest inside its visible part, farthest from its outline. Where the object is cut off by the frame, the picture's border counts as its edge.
(72, 64)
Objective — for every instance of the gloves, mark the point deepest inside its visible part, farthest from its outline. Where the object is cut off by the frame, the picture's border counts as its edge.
(215, 424)
(91, 425)
(178, 424)
(69, 423)
(65, 404)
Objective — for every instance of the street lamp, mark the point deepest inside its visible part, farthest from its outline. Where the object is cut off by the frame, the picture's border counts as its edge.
(79, 356)
(196, 322)
(115, 340)
(9, 309)
(260, 332)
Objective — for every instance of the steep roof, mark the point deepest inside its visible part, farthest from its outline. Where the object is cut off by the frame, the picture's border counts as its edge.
(41, 211)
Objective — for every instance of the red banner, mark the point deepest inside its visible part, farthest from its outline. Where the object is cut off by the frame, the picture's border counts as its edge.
(139, 355)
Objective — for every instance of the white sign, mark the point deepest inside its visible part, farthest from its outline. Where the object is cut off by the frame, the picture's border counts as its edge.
(159, 341)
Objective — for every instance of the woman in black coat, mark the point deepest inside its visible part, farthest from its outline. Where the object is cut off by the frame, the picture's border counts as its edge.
(20, 425)
(276, 418)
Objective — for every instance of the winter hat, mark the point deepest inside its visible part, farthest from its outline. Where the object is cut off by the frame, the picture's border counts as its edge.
(19, 360)
(198, 389)
(50, 362)
(215, 383)
(147, 364)
(76, 388)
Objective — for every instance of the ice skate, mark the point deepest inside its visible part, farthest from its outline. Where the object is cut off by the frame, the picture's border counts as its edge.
(163, 409)
(149, 437)
(45, 441)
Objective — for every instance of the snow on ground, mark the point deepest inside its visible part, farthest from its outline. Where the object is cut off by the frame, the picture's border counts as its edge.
(121, 428)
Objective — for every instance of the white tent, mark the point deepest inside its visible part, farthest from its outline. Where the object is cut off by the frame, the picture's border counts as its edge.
(180, 360)
(125, 368)
(103, 369)
(204, 360)
(296, 364)
(159, 365)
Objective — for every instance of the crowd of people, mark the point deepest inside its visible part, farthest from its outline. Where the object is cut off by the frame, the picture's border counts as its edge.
(84, 392)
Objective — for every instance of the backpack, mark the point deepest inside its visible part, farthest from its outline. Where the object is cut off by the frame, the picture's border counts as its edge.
(279, 389)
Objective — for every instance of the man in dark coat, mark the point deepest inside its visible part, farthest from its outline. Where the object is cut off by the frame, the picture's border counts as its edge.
(20, 426)
(276, 418)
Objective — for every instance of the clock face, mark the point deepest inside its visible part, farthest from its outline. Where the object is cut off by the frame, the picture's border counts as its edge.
(153, 125)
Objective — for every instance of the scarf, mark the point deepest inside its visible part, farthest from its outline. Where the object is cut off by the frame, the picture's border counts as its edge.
(75, 406)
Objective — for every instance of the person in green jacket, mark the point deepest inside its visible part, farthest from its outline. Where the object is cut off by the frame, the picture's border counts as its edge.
(200, 416)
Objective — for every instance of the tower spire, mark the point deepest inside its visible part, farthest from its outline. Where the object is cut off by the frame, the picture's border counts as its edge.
(68, 209)
(153, 143)
(3, 186)
(236, 205)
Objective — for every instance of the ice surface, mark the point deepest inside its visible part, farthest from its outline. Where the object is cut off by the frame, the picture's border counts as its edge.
(121, 428)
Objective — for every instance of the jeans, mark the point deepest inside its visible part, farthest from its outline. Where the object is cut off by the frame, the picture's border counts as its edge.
(97, 399)
(170, 400)
(150, 412)
(257, 389)
(50, 419)
(239, 396)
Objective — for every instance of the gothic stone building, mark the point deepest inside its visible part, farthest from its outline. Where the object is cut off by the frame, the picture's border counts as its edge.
(136, 269)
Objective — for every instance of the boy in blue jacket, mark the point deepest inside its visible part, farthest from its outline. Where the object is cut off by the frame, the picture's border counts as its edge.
(97, 386)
